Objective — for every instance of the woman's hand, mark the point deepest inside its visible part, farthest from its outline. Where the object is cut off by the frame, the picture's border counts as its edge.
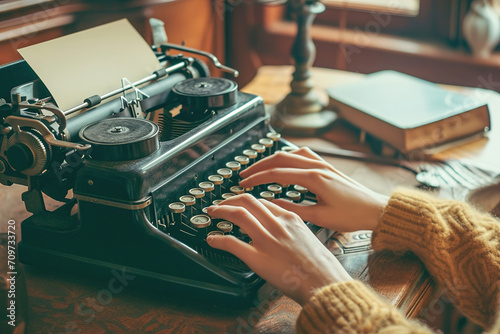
(284, 251)
(343, 204)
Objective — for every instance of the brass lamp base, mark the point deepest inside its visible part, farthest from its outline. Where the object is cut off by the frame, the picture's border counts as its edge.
(301, 116)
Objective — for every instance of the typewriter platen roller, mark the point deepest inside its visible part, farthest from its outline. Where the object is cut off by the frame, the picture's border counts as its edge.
(141, 184)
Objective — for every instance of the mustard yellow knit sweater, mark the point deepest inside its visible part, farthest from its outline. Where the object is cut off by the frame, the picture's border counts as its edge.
(459, 246)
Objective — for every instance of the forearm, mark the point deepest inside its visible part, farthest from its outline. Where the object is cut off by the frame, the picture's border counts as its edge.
(459, 246)
(351, 307)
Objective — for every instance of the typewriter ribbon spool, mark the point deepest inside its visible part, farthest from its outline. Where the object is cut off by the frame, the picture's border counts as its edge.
(121, 139)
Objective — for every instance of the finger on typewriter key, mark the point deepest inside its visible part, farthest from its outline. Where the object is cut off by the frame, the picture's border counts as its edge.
(235, 167)
(198, 193)
(201, 223)
(204, 210)
(217, 201)
(226, 173)
(189, 201)
(176, 210)
(302, 190)
(260, 149)
(276, 189)
(288, 149)
(217, 180)
(269, 195)
(268, 143)
(275, 138)
(237, 190)
(208, 187)
(243, 160)
(225, 227)
(251, 154)
(294, 196)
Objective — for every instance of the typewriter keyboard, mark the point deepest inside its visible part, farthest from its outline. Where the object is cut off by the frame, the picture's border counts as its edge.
(187, 220)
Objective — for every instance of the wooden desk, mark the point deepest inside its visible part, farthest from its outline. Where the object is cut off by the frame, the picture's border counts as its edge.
(66, 303)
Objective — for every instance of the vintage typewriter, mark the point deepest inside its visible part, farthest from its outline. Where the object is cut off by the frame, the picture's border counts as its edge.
(135, 173)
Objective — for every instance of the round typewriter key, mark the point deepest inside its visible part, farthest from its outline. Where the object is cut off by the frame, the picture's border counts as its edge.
(288, 149)
(217, 201)
(237, 190)
(233, 165)
(251, 154)
(302, 190)
(198, 193)
(225, 226)
(275, 137)
(294, 195)
(243, 160)
(201, 222)
(204, 210)
(177, 207)
(208, 187)
(225, 172)
(267, 195)
(228, 195)
(217, 180)
(176, 210)
(259, 148)
(215, 233)
(189, 201)
(268, 143)
(276, 189)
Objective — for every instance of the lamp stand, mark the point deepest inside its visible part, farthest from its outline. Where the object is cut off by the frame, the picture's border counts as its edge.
(301, 112)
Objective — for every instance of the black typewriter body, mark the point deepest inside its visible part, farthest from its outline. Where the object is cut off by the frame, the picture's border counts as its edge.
(124, 193)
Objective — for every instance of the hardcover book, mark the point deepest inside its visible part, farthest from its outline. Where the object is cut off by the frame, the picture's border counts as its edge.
(408, 113)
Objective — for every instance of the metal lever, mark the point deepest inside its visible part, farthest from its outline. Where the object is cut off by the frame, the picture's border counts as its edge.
(215, 61)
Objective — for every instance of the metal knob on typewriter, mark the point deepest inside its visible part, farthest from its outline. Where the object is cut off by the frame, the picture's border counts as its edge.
(121, 138)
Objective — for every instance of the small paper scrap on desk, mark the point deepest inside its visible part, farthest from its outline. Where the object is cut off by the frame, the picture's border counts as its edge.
(91, 62)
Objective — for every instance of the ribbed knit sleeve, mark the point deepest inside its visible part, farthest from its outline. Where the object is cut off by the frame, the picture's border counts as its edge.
(459, 246)
(351, 307)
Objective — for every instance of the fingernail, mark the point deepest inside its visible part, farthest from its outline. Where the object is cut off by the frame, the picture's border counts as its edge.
(209, 238)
